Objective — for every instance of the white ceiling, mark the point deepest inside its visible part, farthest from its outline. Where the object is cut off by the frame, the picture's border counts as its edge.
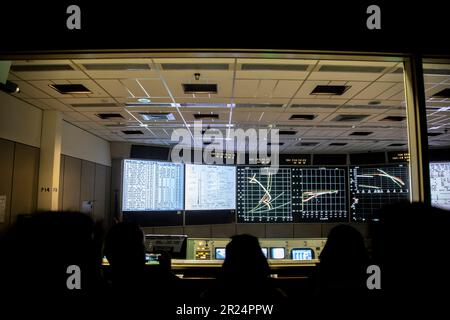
(247, 97)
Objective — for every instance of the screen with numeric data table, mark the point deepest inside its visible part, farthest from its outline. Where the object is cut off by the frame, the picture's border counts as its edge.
(152, 186)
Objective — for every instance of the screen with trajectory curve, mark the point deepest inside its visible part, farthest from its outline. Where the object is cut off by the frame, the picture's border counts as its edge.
(373, 187)
(291, 194)
(152, 186)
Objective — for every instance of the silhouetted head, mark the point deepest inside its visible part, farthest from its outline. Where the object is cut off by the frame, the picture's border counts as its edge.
(124, 247)
(408, 244)
(244, 258)
(344, 244)
(344, 259)
(42, 246)
(165, 260)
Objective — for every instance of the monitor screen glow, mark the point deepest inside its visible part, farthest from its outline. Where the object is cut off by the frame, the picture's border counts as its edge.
(220, 253)
(277, 253)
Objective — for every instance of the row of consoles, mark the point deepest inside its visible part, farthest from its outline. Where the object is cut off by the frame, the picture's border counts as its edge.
(276, 250)
(202, 258)
(198, 250)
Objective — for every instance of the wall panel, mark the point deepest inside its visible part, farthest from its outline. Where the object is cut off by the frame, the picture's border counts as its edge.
(6, 173)
(61, 183)
(87, 182)
(100, 193)
(72, 184)
(25, 180)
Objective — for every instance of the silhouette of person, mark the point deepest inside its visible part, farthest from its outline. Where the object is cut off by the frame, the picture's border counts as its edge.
(343, 264)
(409, 246)
(245, 275)
(37, 252)
(165, 266)
(124, 248)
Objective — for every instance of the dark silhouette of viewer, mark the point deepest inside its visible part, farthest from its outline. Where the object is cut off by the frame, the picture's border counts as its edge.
(164, 269)
(37, 251)
(410, 245)
(124, 248)
(245, 275)
(343, 264)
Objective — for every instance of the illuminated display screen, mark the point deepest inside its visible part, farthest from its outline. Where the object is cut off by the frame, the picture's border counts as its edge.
(302, 254)
(291, 194)
(440, 184)
(152, 186)
(277, 253)
(373, 187)
(220, 253)
(210, 187)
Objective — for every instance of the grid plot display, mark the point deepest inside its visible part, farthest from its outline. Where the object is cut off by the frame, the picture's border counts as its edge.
(264, 195)
(372, 188)
(319, 194)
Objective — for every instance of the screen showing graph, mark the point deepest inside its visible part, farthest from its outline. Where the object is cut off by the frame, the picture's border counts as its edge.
(264, 194)
(440, 184)
(372, 188)
(319, 194)
(152, 186)
(291, 194)
(210, 187)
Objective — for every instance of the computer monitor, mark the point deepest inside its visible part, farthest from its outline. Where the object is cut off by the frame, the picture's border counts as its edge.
(152, 186)
(219, 253)
(152, 258)
(265, 252)
(302, 254)
(175, 245)
(210, 187)
(277, 253)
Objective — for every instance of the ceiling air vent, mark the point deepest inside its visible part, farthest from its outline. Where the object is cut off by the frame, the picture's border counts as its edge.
(307, 144)
(199, 88)
(273, 67)
(131, 132)
(362, 69)
(206, 116)
(163, 116)
(442, 94)
(70, 88)
(394, 118)
(434, 134)
(445, 72)
(360, 133)
(362, 106)
(398, 71)
(302, 117)
(107, 116)
(287, 132)
(41, 67)
(194, 66)
(329, 90)
(338, 144)
(350, 117)
(396, 144)
(116, 66)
